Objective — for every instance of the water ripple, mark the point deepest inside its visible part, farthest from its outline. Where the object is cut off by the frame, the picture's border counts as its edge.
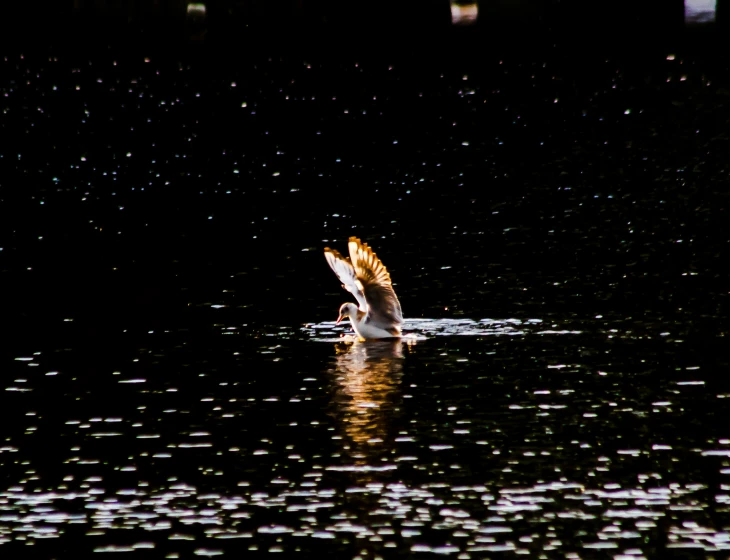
(421, 329)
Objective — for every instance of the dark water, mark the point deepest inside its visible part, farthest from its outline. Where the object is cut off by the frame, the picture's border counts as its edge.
(173, 384)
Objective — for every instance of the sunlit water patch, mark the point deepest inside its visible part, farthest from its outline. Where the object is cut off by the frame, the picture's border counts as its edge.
(522, 437)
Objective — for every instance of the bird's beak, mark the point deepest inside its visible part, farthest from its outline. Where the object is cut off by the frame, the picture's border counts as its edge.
(338, 320)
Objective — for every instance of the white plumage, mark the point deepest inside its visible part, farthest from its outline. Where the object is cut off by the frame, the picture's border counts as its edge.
(378, 314)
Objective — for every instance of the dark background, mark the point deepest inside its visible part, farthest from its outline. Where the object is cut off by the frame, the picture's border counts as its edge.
(165, 255)
(296, 21)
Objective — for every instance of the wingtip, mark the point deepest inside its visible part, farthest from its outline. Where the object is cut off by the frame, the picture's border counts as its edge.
(356, 241)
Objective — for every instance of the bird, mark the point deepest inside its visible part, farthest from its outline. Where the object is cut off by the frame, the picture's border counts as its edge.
(378, 314)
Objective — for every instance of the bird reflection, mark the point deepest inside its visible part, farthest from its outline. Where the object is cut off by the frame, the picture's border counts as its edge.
(367, 376)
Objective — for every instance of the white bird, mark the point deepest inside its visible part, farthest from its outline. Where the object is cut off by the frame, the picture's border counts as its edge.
(364, 276)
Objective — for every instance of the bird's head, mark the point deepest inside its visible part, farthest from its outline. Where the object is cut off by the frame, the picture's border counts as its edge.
(347, 310)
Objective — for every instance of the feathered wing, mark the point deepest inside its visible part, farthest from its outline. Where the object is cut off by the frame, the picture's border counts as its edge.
(382, 304)
(344, 271)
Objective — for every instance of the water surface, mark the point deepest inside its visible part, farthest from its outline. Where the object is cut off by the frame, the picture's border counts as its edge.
(175, 386)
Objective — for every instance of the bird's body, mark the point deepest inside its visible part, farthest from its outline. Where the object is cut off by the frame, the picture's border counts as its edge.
(364, 276)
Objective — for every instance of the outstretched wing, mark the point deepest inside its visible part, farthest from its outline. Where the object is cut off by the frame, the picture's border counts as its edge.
(344, 271)
(382, 304)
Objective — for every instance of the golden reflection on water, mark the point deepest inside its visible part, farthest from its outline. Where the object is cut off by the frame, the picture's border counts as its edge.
(367, 378)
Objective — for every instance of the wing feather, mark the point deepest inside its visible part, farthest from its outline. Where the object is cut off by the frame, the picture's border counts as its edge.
(346, 273)
(382, 304)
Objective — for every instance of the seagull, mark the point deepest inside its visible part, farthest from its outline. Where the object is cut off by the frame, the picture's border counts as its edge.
(364, 276)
